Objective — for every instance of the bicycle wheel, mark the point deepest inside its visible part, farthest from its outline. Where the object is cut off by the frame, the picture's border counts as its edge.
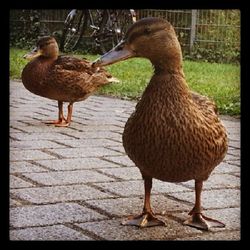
(113, 28)
(75, 24)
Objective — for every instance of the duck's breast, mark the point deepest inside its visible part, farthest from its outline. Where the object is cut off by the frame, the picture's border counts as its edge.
(172, 142)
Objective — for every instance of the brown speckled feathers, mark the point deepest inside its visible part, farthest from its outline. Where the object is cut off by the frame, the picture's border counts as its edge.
(65, 79)
(174, 134)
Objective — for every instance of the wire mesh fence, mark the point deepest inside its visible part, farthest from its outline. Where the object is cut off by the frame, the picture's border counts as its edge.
(211, 34)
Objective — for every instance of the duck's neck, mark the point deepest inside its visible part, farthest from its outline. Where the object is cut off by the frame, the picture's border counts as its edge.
(171, 64)
(169, 81)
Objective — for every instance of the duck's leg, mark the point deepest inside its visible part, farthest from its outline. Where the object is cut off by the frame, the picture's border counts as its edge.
(61, 120)
(70, 110)
(66, 122)
(197, 219)
(147, 218)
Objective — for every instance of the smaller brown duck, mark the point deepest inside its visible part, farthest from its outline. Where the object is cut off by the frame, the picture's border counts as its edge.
(61, 78)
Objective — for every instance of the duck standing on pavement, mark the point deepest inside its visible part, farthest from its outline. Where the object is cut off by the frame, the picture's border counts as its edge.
(174, 135)
(61, 78)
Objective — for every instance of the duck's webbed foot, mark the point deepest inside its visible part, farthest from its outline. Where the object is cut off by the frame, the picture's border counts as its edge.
(200, 221)
(146, 219)
(58, 123)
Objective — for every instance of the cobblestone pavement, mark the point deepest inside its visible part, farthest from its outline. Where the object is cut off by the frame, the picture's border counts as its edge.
(77, 183)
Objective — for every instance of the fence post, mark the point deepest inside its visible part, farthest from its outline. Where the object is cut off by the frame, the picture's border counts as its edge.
(193, 28)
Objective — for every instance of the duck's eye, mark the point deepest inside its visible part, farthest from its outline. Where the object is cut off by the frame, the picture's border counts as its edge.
(147, 31)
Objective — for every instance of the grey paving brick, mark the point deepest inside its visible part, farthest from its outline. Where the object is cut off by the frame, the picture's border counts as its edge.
(79, 178)
(81, 143)
(217, 236)
(16, 182)
(23, 145)
(76, 163)
(226, 168)
(113, 230)
(51, 214)
(68, 177)
(218, 181)
(118, 148)
(84, 152)
(125, 173)
(235, 144)
(92, 134)
(234, 151)
(23, 166)
(40, 136)
(94, 122)
(123, 160)
(134, 205)
(34, 154)
(56, 232)
(40, 195)
(129, 188)
(13, 202)
(231, 158)
(222, 198)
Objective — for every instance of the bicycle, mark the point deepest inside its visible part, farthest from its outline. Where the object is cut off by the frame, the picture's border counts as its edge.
(107, 27)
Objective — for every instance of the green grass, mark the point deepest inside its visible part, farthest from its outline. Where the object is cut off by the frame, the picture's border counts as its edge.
(221, 82)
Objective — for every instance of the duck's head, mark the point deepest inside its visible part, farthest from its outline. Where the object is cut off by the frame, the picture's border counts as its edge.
(46, 47)
(151, 38)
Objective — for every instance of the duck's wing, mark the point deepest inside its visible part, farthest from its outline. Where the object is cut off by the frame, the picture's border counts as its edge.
(83, 68)
(76, 76)
(204, 103)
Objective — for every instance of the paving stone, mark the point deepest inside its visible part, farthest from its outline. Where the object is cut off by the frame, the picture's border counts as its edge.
(118, 148)
(235, 163)
(23, 166)
(113, 230)
(234, 151)
(121, 160)
(68, 177)
(93, 122)
(23, 145)
(56, 232)
(40, 195)
(84, 152)
(129, 188)
(99, 128)
(40, 136)
(234, 137)
(217, 236)
(226, 168)
(16, 182)
(92, 134)
(51, 214)
(221, 198)
(34, 154)
(87, 174)
(235, 144)
(231, 158)
(218, 181)
(14, 203)
(81, 143)
(40, 127)
(125, 173)
(134, 205)
(76, 163)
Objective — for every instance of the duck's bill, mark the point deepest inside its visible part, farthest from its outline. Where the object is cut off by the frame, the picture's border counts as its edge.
(118, 53)
(32, 54)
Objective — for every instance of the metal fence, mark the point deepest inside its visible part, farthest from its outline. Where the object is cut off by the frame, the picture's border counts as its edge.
(203, 29)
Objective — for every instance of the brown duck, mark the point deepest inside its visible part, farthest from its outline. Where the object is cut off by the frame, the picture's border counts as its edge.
(174, 134)
(61, 78)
